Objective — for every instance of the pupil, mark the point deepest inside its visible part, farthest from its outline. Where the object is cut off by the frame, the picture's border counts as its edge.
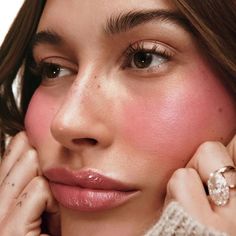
(142, 59)
(51, 70)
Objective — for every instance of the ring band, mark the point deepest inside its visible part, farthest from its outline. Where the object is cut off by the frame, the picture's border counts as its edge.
(218, 186)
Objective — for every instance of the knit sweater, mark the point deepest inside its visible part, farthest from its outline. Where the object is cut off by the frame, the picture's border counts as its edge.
(175, 221)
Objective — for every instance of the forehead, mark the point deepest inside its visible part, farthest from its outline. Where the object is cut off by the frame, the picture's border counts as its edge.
(91, 13)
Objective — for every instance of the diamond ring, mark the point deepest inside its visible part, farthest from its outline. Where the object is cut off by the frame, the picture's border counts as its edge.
(219, 185)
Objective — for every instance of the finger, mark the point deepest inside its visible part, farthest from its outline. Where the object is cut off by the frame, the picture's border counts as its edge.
(18, 178)
(18, 145)
(34, 200)
(185, 187)
(210, 157)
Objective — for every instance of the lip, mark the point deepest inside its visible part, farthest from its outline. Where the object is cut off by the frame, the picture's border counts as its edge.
(87, 190)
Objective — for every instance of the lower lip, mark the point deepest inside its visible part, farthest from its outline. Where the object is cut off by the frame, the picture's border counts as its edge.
(83, 199)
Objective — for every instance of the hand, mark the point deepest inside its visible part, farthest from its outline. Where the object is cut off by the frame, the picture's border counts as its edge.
(186, 186)
(24, 192)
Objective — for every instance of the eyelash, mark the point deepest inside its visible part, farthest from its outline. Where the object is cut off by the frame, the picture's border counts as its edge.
(40, 70)
(140, 47)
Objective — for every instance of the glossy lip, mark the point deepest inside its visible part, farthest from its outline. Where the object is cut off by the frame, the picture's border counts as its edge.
(87, 190)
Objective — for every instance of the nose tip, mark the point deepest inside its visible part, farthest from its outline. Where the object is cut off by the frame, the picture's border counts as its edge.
(76, 127)
(80, 135)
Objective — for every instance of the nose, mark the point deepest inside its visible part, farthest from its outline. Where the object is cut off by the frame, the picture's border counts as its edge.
(82, 118)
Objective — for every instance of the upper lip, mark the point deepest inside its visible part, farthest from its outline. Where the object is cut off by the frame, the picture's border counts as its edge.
(86, 179)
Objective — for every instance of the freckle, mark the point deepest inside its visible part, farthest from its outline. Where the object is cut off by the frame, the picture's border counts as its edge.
(19, 204)
(220, 109)
(95, 77)
(98, 86)
(24, 195)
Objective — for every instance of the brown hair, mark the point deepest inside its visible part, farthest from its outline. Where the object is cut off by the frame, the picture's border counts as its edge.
(213, 23)
(12, 54)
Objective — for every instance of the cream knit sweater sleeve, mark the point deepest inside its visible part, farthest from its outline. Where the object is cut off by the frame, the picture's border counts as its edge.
(175, 221)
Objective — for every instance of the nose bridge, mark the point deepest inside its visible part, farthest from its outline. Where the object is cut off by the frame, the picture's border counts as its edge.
(83, 97)
(81, 114)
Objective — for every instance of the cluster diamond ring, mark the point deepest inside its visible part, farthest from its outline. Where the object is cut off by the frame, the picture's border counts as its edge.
(219, 185)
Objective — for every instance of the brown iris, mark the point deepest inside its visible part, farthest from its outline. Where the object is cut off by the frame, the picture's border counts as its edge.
(142, 59)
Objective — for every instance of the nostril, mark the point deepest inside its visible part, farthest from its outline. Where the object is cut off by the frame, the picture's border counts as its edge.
(85, 141)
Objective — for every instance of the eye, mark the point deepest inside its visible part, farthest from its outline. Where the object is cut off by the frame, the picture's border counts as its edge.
(146, 55)
(143, 60)
(51, 71)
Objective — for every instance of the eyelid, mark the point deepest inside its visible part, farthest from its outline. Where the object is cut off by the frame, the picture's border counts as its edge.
(145, 44)
(61, 61)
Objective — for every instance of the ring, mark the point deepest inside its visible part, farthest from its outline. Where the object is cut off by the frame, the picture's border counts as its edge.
(218, 186)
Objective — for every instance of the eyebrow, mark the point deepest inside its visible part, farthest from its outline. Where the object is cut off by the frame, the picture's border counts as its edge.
(126, 21)
(118, 24)
(46, 37)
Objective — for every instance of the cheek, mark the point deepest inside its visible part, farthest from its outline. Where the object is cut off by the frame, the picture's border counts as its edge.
(40, 113)
(170, 125)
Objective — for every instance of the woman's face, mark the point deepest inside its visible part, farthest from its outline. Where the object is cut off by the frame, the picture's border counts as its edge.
(131, 98)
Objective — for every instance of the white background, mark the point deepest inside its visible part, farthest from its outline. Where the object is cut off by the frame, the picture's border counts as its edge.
(8, 11)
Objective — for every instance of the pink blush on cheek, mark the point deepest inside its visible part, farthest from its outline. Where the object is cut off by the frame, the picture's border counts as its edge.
(40, 113)
(162, 133)
(170, 126)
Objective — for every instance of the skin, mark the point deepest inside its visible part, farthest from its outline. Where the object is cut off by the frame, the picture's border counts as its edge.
(146, 123)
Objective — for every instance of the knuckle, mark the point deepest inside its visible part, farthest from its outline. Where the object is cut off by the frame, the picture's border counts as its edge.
(176, 179)
(29, 159)
(19, 137)
(39, 184)
(40, 187)
(208, 146)
(30, 156)
(191, 172)
(19, 141)
(179, 174)
(204, 151)
(179, 179)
